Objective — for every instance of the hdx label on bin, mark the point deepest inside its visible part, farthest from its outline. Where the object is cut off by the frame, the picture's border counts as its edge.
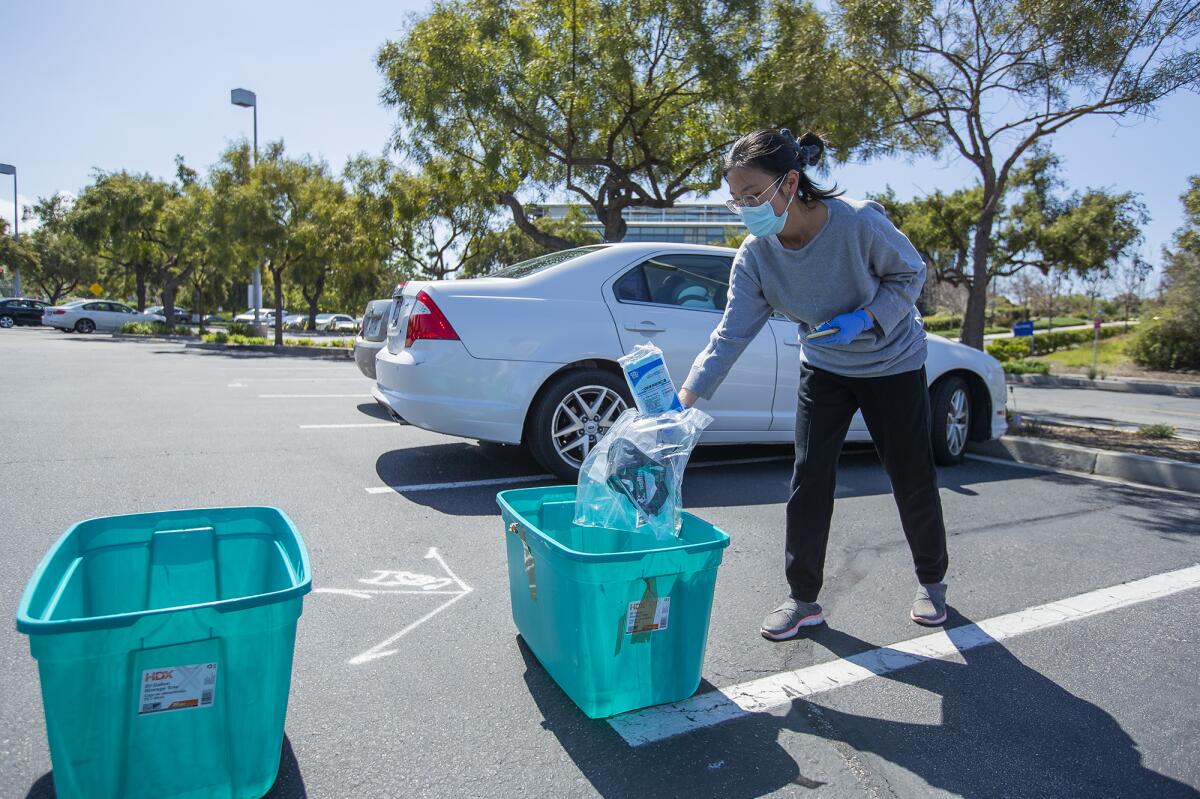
(652, 619)
(177, 688)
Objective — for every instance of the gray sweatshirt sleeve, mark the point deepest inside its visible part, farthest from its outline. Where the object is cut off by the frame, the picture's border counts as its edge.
(746, 311)
(900, 269)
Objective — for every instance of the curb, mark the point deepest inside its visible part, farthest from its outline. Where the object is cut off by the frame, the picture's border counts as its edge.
(345, 353)
(1108, 384)
(1128, 466)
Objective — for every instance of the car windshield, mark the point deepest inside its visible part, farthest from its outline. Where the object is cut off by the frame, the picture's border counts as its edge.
(543, 262)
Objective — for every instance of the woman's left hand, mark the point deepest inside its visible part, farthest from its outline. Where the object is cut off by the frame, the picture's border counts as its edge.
(849, 326)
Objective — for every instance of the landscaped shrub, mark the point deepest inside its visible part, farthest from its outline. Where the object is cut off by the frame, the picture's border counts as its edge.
(1009, 349)
(241, 329)
(1024, 367)
(152, 329)
(942, 323)
(1166, 344)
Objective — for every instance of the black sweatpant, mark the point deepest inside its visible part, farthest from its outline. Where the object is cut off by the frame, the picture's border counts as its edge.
(896, 410)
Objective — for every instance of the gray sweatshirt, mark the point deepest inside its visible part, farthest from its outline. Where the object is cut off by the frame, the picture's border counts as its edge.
(857, 260)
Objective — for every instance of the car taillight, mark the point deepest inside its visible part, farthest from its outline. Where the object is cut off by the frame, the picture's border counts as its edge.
(58, 312)
(426, 321)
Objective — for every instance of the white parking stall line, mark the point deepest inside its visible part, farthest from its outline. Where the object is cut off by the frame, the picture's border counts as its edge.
(346, 426)
(312, 396)
(348, 379)
(520, 478)
(704, 710)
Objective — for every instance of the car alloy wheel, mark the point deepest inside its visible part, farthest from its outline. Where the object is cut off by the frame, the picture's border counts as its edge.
(958, 418)
(581, 419)
(950, 409)
(569, 415)
(6, 322)
(85, 326)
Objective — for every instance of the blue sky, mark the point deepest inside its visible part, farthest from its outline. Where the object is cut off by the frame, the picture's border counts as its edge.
(126, 85)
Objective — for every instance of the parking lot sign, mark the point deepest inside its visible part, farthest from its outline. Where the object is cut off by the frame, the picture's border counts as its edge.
(1023, 328)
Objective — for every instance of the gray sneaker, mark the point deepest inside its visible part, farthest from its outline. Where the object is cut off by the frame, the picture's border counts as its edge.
(929, 608)
(786, 620)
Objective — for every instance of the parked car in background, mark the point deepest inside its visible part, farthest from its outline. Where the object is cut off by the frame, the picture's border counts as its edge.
(16, 311)
(372, 334)
(264, 314)
(182, 315)
(295, 321)
(336, 323)
(87, 316)
(529, 355)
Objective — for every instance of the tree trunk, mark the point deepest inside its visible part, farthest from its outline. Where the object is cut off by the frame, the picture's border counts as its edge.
(614, 223)
(139, 276)
(977, 296)
(526, 226)
(168, 298)
(276, 275)
(318, 290)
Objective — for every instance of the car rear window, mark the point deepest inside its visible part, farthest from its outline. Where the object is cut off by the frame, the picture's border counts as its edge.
(544, 262)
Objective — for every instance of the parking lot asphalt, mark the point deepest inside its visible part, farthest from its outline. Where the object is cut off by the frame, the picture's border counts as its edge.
(409, 695)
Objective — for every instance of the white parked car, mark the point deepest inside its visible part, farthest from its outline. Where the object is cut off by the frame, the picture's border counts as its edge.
(87, 316)
(528, 355)
(337, 323)
(266, 316)
(372, 335)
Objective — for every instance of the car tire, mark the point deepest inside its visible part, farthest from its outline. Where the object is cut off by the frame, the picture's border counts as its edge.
(7, 321)
(549, 434)
(950, 406)
(85, 326)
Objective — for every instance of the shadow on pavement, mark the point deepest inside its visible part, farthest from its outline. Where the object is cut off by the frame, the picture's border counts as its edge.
(1006, 730)
(709, 763)
(374, 410)
(289, 784)
(762, 483)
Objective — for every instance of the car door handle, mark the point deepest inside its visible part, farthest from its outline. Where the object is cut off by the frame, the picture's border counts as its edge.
(645, 326)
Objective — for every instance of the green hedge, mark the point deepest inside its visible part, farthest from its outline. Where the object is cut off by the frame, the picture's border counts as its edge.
(1024, 367)
(942, 323)
(1007, 349)
(152, 329)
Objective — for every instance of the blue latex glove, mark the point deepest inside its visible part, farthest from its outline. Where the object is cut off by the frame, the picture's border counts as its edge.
(849, 326)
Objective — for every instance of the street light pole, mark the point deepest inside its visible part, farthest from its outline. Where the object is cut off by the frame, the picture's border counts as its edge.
(9, 169)
(247, 99)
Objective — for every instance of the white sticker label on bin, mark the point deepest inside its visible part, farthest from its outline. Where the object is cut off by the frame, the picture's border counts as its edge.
(638, 622)
(177, 688)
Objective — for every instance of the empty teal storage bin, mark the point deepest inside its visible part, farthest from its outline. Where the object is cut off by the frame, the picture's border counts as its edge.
(619, 619)
(164, 646)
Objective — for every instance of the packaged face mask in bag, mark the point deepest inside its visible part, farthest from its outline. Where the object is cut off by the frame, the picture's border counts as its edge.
(631, 479)
(648, 378)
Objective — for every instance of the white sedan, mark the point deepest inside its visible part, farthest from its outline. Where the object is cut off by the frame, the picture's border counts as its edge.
(529, 355)
(87, 316)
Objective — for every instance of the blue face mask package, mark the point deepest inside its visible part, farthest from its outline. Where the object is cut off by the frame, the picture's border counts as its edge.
(646, 373)
(631, 479)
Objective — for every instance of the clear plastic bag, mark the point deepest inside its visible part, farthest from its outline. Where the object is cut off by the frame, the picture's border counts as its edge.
(631, 479)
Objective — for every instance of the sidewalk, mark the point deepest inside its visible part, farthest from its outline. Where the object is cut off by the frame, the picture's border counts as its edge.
(1122, 384)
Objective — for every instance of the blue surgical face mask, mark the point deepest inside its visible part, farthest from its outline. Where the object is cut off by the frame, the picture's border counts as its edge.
(761, 220)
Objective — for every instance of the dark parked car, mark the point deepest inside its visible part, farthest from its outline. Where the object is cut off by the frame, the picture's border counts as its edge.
(20, 311)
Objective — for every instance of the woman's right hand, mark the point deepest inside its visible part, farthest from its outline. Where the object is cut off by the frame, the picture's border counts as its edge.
(687, 398)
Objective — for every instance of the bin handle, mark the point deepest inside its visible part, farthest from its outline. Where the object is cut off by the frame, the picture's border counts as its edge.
(530, 569)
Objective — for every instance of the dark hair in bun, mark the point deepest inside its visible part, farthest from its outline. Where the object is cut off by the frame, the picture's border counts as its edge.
(778, 152)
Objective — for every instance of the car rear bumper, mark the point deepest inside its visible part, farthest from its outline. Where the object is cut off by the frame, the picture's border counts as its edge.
(438, 386)
(364, 356)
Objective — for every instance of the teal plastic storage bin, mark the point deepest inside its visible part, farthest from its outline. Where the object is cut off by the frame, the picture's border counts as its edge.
(164, 646)
(619, 619)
